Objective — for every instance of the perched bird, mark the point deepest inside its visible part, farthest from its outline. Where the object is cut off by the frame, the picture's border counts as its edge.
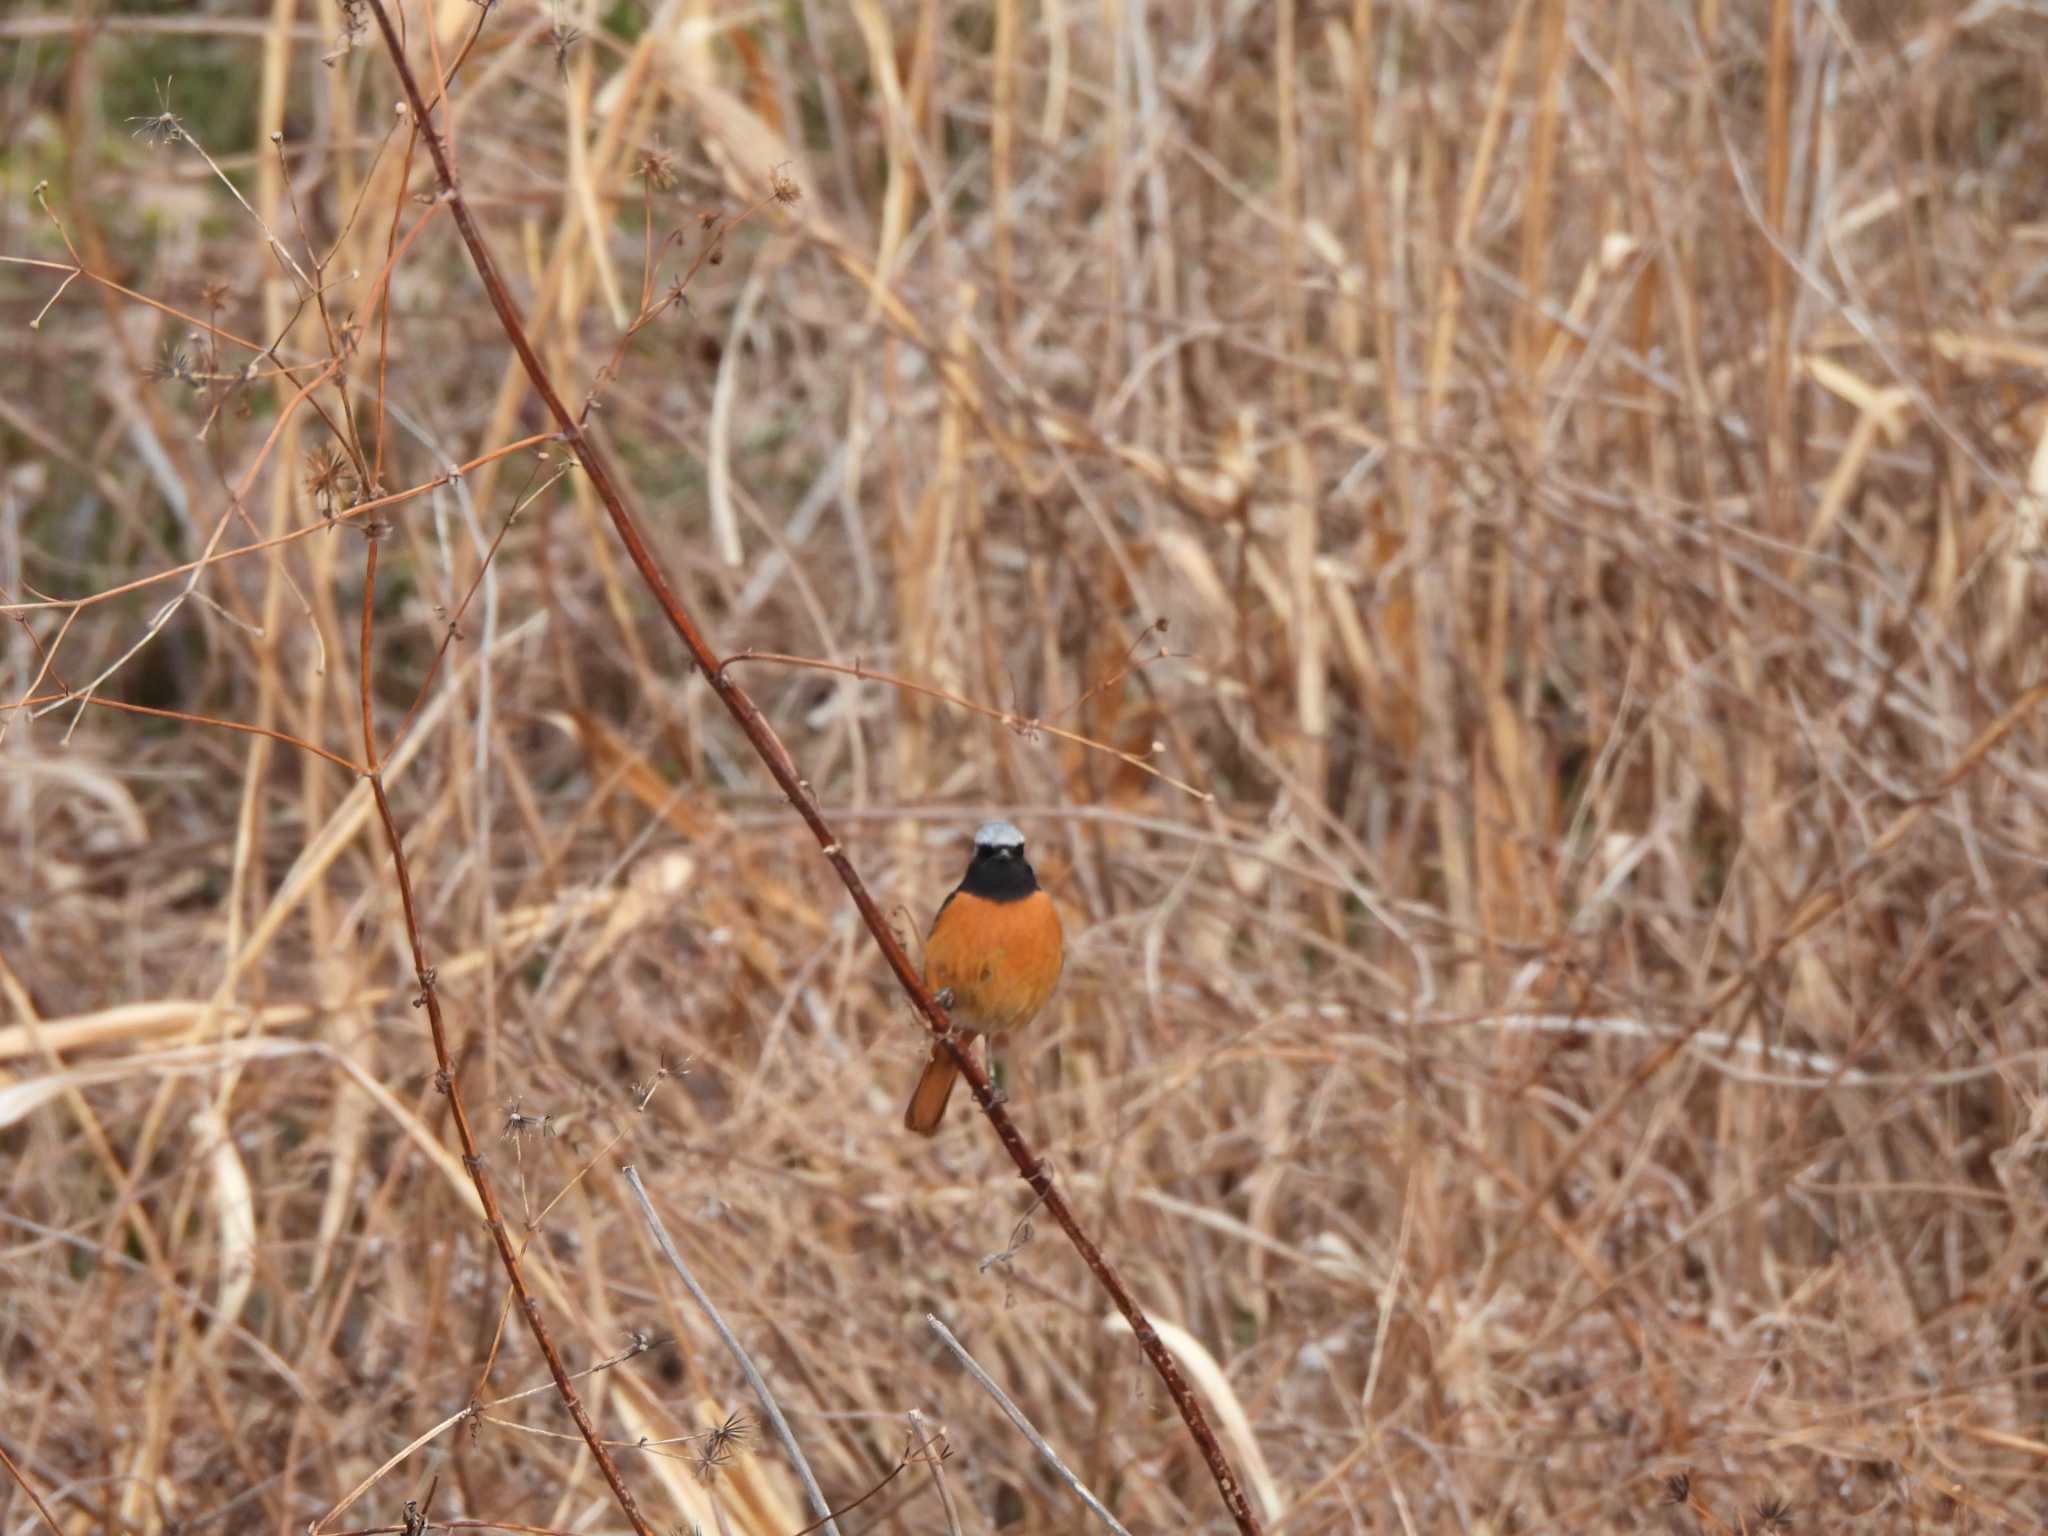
(992, 959)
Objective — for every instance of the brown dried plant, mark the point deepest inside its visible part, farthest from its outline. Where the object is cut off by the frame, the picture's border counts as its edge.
(1552, 1038)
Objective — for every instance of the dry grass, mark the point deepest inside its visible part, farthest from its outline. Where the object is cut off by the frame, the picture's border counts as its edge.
(1582, 1071)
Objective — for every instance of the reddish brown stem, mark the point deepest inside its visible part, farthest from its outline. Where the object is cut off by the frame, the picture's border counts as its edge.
(472, 1162)
(361, 509)
(768, 746)
(430, 999)
(214, 722)
(44, 1510)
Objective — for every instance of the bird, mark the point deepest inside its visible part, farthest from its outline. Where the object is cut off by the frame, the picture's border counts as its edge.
(992, 959)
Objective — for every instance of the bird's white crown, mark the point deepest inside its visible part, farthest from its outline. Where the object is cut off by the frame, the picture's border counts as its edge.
(998, 834)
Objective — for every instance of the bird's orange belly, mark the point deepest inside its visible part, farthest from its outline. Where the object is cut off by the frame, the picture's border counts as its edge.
(1000, 959)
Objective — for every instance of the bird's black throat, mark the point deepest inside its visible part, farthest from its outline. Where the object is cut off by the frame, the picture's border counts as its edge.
(999, 874)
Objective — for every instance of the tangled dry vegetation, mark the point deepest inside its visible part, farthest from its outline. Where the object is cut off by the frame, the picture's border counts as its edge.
(1565, 483)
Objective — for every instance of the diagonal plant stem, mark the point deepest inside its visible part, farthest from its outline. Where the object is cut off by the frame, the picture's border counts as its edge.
(1015, 1415)
(782, 767)
(448, 1076)
(472, 1161)
(770, 1409)
(29, 1488)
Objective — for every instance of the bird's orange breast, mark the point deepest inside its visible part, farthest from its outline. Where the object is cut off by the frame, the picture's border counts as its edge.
(1001, 959)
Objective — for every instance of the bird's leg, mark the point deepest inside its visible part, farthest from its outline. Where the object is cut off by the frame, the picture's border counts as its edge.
(997, 1093)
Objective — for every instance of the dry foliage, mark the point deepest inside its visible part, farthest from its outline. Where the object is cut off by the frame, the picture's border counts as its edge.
(1569, 481)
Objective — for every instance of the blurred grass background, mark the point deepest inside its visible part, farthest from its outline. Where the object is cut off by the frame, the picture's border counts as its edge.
(1591, 463)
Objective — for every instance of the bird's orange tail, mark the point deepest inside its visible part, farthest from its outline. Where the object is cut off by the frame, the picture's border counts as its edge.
(928, 1101)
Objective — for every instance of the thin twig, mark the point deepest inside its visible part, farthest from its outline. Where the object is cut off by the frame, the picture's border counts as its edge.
(1016, 1416)
(762, 1395)
(890, 1477)
(472, 1161)
(29, 1488)
(360, 510)
(283, 738)
(938, 1466)
(1023, 725)
(468, 1412)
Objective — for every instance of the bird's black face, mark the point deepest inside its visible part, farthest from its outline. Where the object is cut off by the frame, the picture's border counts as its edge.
(999, 872)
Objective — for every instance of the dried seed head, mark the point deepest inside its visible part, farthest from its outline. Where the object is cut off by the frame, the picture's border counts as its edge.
(657, 167)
